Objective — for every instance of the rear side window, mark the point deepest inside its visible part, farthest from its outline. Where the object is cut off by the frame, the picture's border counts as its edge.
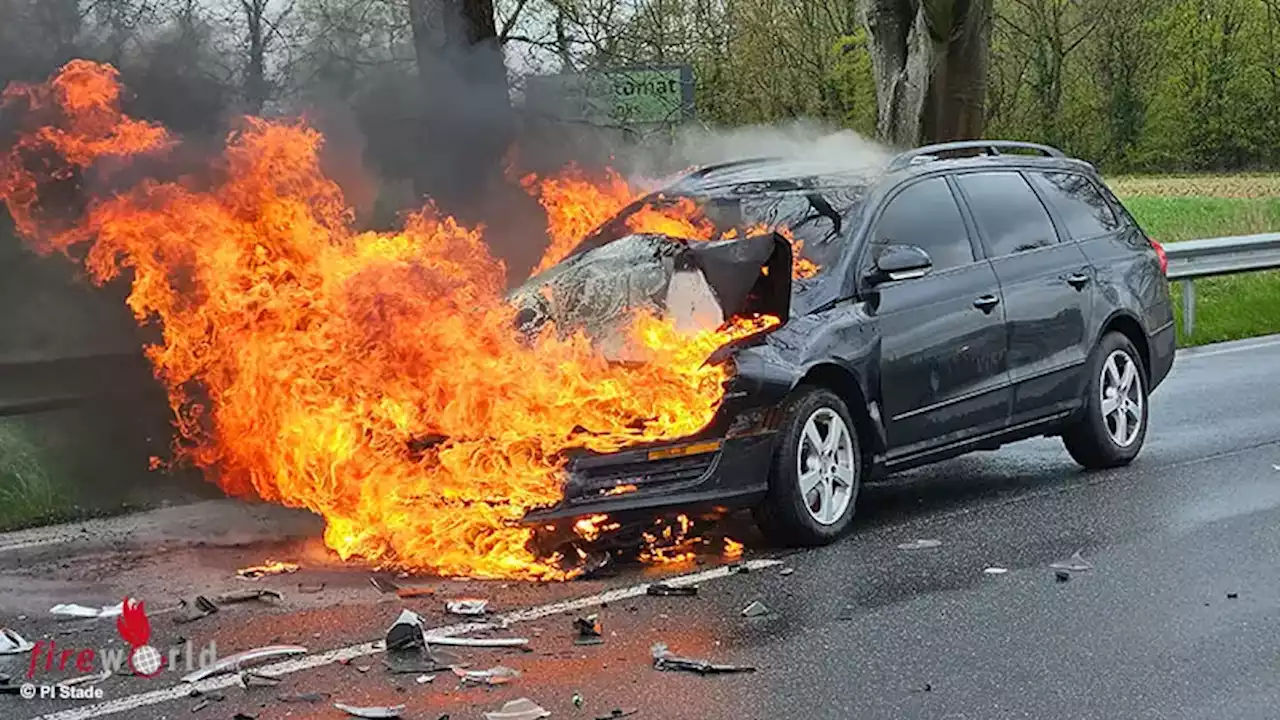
(1009, 215)
(926, 215)
(1078, 202)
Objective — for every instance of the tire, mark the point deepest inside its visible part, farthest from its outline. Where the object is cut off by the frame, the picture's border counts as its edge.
(790, 516)
(1097, 441)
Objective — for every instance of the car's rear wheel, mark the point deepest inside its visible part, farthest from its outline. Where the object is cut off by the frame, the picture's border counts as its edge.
(1113, 427)
(816, 472)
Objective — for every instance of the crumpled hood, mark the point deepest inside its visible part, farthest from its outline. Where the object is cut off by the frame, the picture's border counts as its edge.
(698, 284)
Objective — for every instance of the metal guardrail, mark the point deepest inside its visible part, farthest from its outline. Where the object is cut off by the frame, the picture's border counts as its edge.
(1194, 259)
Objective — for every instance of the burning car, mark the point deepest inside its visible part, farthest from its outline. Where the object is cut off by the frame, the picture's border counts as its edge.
(892, 348)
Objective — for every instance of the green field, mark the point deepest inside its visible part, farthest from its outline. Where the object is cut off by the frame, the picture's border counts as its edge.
(1177, 208)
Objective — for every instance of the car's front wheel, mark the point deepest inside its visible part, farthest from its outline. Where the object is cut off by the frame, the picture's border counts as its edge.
(816, 472)
(1113, 426)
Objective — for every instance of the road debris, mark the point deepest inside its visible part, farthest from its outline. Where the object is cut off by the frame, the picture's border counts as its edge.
(241, 596)
(522, 709)
(233, 663)
(1233, 596)
(1061, 575)
(310, 697)
(244, 716)
(1077, 563)
(199, 706)
(499, 675)
(617, 713)
(578, 701)
(406, 632)
(996, 571)
(377, 711)
(248, 678)
(83, 611)
(306, 589)
(589, 630)
(469, 606)
(755, 609)
(424, 679)
(85, 679)
(270, 567)
(786, 571)
(665, 590)
(213, 695)
(202, 607)
(406, 593)
(383, 585)
(11, 643)
(478, 642)
(920, 544)
(664, 660)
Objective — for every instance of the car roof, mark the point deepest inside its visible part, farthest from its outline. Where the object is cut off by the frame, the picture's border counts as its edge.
(774, 174)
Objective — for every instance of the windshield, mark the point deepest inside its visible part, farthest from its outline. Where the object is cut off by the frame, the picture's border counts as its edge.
(815, 221)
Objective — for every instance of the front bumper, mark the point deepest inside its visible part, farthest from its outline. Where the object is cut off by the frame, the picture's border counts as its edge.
(702, 474)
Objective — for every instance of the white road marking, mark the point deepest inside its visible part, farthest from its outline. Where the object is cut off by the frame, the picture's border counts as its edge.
(182, 690)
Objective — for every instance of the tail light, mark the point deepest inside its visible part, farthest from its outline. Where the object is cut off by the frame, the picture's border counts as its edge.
(1164, 258)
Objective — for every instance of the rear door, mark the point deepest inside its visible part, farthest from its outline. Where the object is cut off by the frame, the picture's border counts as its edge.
(942, 367)
(1048, 288)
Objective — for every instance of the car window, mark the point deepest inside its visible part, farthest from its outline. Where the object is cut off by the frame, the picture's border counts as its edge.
(926, 215)
(1078, 202)
(1009, 215)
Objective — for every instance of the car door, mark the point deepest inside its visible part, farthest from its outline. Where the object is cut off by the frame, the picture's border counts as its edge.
(1048, 287)
(943, 377)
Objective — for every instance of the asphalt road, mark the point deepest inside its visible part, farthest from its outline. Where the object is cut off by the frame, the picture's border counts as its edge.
(1179, 616)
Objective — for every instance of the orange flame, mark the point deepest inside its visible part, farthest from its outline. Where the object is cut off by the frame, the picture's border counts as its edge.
(133, 624)
(732, 548)
(303, 359)
(672, 545)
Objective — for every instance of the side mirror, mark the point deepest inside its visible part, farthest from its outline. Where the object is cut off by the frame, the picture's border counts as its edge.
(900, 262)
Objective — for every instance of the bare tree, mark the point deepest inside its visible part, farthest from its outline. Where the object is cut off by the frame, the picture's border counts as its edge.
(929, 59)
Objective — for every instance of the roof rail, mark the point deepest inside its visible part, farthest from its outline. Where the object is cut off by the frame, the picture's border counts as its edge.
(989, 147)
(717, 167)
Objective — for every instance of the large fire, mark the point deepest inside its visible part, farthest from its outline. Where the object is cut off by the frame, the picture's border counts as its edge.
(306, 361)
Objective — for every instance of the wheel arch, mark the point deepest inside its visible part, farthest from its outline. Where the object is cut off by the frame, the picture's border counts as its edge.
(1128, 325)
(845, 384)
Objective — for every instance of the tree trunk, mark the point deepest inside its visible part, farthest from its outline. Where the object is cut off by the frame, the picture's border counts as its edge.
(466, 116)
(929, 60)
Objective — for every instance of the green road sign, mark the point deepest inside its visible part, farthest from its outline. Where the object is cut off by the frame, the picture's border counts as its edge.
(632, 96)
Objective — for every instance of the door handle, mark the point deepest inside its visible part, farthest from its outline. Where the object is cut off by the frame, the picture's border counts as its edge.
(1077, 280)
(986, 302)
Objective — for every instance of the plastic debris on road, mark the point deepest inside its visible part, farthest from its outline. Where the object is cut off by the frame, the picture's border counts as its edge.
(376, 711)
(412, 592)
(1077, 563)
(589, 630)
(83, 611)
(617, 713)
(665, 590)
(664, 660)
(469, 606)
(234, 663)
(424, 679)
(406, 632)
(249, 679)
(241, 596)
(755, 609)
(270, 567)
(522, 709)
(786, 571)
(202, 607)
(499, 675)
(11, 643)
(996, 571)
(920, 544)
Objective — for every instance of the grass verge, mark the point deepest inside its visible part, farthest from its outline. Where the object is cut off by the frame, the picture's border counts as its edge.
(1173, 209)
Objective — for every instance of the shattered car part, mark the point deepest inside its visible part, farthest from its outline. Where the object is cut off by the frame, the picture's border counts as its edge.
(383, 585)
(755, 609)
(522, 709)
(470, 607)
(406, 632)
(589, 630)
(83, 611)
(202, 607)
(1076, 563)
(248, 678)
(270, 567)
(921, 544)
(11, 643)
(499, 675)
(232, 598)
(665, 590)
(233, 663)
(374, 712)
(617, 713)
(413, 592)
(664, 660)
(478, 642)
